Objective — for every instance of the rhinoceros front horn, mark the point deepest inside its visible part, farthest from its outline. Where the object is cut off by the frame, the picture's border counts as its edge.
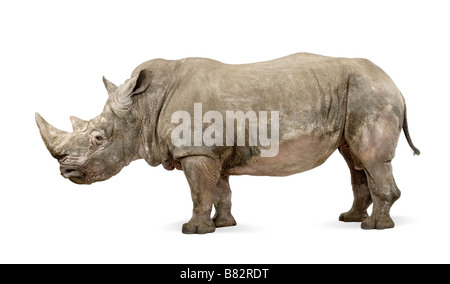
(53, 138)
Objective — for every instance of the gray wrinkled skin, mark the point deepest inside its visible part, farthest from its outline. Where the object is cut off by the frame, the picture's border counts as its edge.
(324, 104)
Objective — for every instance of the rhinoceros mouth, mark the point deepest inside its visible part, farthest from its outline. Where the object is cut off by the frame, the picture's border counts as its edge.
(75, 174)
(80, 179)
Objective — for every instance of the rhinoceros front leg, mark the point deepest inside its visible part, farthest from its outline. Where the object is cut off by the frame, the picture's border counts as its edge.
(222, 204)
(202, 174)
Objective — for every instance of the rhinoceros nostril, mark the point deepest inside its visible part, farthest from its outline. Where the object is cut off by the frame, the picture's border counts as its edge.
(68, 171)
(61, 158)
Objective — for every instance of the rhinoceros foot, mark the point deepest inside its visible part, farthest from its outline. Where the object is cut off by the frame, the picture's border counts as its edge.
(382, 223)
(198, 227)
(224, 220)
(352, 216)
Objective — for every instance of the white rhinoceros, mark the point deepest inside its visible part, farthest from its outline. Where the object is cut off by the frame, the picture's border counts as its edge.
(317, 104)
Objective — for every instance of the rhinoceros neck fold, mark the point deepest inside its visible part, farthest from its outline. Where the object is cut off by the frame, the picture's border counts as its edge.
(147, 109)
(148, 106)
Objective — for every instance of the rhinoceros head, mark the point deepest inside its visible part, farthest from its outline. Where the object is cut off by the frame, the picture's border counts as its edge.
(98, 149)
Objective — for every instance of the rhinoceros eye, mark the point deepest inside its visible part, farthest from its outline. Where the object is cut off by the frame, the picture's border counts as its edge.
(98, 139)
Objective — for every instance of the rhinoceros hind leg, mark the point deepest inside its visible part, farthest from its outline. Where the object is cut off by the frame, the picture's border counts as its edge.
(384, 193)
(222, 204)
(202, 173)
(361, 194)
(374, 146)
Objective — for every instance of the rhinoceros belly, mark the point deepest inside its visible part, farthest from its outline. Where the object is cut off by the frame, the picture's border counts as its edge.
(294, 156)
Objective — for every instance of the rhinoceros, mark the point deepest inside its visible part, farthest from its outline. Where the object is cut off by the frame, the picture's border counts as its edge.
(320, 104)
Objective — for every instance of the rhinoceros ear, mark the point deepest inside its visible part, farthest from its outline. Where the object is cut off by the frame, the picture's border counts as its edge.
(110, 87)
(137, 84)
(78, 124)
(133, 86)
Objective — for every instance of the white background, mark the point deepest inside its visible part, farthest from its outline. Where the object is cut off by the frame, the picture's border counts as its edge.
(54, 53)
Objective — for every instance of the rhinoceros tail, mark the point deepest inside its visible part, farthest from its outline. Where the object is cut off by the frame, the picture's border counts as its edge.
(408, 137)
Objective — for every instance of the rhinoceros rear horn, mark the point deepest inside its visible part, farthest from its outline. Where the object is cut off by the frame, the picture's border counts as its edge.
(52, 136)
(78, 124)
